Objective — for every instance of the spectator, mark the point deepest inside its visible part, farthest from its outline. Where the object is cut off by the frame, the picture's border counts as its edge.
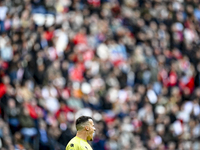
(13, 115)
(28, 127)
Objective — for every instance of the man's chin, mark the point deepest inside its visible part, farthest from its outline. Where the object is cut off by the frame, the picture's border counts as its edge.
(92, 137)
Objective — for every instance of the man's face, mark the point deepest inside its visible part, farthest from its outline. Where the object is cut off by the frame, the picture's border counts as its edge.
(91, 130)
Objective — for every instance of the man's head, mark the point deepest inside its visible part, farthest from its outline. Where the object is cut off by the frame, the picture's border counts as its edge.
(85, 125)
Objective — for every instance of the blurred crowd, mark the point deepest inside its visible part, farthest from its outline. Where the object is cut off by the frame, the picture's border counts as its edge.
(133, 65)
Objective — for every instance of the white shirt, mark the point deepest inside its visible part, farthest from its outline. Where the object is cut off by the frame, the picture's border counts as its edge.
(3, 11)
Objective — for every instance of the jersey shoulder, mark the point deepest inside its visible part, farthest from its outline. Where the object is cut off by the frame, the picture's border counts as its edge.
(73, 144)
(78, 144)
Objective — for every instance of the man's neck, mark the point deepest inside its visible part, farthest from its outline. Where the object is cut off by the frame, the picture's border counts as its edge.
(81, 135)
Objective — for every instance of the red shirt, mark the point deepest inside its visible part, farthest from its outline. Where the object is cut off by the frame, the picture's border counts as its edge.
(76, 74)
(2, 90)
(80, 39)
(33, 110)
(64, 109)
(48, 35)
(173, 78)
(189, 84)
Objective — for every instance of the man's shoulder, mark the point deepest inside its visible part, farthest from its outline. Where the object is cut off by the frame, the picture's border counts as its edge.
(78, 144)
(73, 144)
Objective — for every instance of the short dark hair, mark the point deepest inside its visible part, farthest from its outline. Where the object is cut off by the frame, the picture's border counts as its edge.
(81, 120)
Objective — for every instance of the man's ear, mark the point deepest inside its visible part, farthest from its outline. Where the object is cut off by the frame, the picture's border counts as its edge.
(86, 128)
